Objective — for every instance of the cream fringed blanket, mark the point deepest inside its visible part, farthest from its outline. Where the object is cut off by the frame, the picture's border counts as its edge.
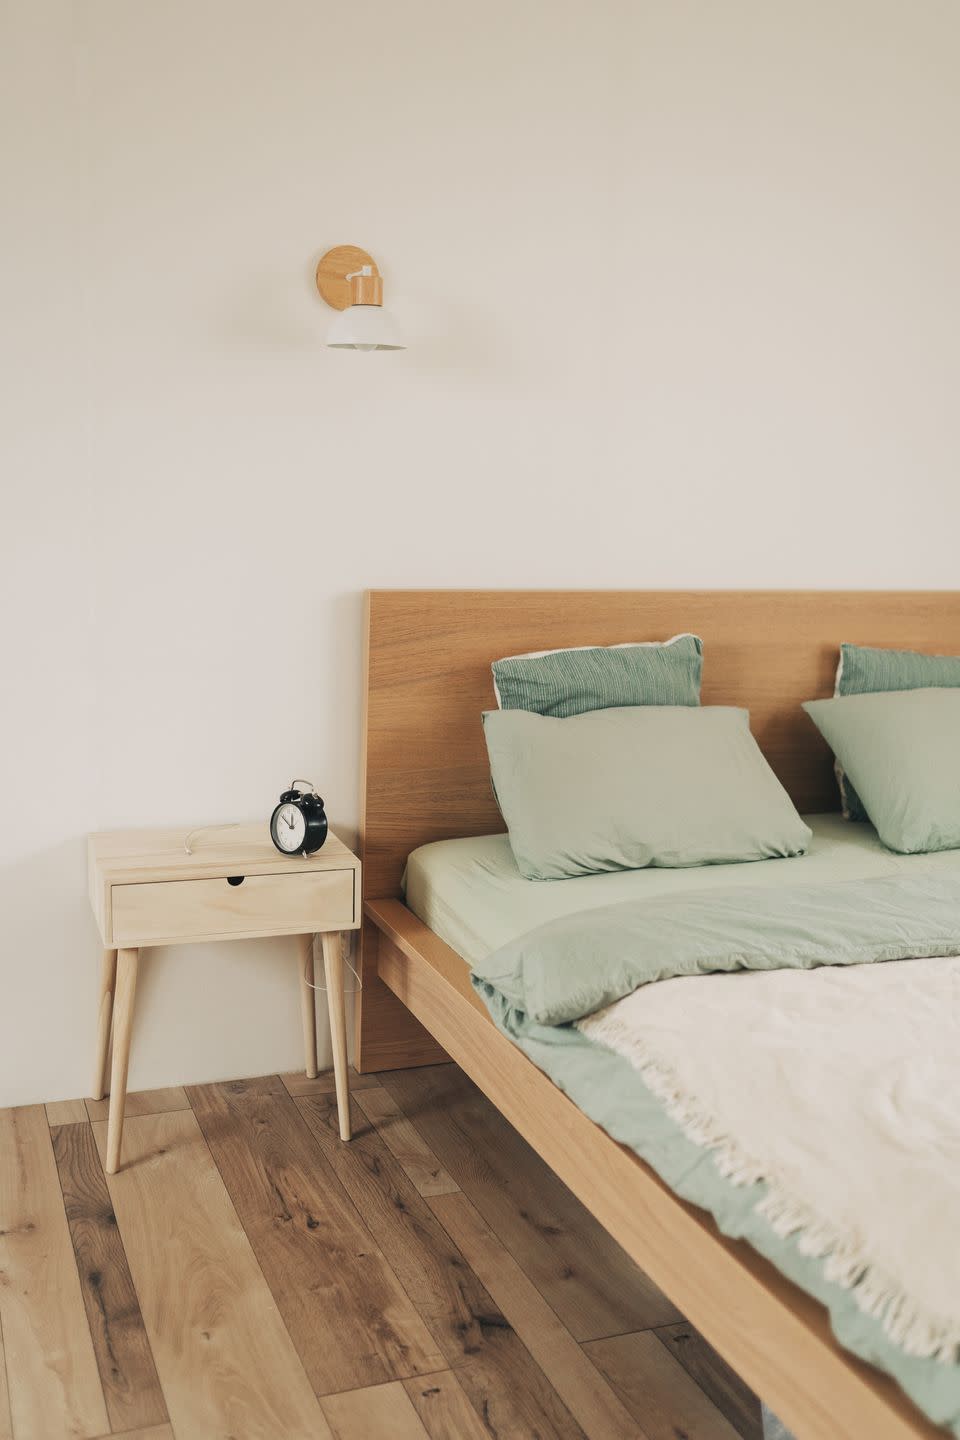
(840, 1088)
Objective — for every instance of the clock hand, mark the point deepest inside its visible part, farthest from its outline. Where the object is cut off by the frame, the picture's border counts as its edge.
(289, 822)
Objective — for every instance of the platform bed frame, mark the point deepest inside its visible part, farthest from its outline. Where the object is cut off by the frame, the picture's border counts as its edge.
(426, 778)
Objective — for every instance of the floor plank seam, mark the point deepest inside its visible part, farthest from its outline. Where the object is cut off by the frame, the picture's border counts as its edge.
(432, 1331)
(76, 1261)
(382, 1384)
(99, 1119)
(243, 1231)
(76, 1258)
(491, 1225)
(307, 1100)
(5, 1387)
(519, 1338)
(533, 1359)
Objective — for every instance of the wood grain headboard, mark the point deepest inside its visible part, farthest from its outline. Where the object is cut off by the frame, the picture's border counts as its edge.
(428, 678)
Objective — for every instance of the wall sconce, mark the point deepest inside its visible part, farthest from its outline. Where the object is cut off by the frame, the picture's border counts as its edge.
(349, 280)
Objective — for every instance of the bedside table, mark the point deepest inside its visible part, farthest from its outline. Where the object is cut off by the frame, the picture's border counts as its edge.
(235, 885)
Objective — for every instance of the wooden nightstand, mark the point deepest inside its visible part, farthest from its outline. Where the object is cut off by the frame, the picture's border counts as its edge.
(146, 890)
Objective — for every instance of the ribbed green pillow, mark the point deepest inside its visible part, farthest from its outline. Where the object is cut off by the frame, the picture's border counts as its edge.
(902, 752)
(865, 670)
(620, 789)
(571, 682)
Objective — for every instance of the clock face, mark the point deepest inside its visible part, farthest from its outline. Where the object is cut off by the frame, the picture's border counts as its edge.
(289, 828)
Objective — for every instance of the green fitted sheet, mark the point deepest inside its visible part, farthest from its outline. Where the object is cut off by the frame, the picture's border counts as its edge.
(472, 895)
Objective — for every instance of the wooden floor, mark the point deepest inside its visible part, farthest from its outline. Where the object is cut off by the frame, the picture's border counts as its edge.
(247, 1275)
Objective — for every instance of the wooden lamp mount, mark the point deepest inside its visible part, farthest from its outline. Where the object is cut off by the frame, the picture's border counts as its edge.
(341, 279)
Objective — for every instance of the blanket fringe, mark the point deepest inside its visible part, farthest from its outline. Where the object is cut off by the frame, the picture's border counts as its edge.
(845, 1264)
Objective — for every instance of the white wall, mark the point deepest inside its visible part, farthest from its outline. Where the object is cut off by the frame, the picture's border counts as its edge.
(681, 285)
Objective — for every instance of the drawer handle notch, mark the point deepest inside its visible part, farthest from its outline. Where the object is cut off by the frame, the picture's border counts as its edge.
(235, 879)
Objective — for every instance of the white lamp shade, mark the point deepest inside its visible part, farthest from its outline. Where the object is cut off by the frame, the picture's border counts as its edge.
(364, 327)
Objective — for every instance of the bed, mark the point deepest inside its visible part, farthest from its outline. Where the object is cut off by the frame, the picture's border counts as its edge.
(426, 780)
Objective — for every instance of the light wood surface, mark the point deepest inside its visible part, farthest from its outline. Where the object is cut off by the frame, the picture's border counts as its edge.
(332, 271)
(183, 911)
(732, 1397)
(51, 1369)
(366, 1414)
(581, 1387)
(153, 1432)
(406, 1142)
(65, 1112)
(127, 1372)
(568, 1255)
(657, 1391)
(224, 1357)
(775, 1336)
(386, 1034)
(143, 1102)
(300, 1086)
(349, 1318)
(494, 1367)
(345, 1257)
(158, 887)
(333, 972)
(120, 858)
(444, 1409)
(108, 979)
(128, 962)
(308, 1004)
(6, 1422)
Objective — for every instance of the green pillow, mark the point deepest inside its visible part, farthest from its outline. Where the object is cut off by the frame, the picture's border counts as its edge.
(571, 682)
(902, 751)
(864, 670)
(620, 789)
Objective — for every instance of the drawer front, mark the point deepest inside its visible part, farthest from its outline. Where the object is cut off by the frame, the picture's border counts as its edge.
(177, 910)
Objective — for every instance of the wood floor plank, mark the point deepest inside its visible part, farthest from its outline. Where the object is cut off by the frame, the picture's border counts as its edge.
(728, 1392)
(226, 1363)
(65, 1112)
(299, 1086)
(657, 1390)
(154, 1432)
(6, 1423)
(127, 1372)
(582, 1273)
(444, 1409)
(501, 1379)
(406, 1142)
(54, 1386)
(142, 1102)
(348, 1316)
(384, 1411)
(581, 1387)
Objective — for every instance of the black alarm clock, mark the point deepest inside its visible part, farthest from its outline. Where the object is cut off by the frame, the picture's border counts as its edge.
(298, 825)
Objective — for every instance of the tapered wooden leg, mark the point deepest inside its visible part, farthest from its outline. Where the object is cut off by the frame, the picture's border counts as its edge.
(108, 976)
(333, 969)
(127, 963)
(308, 1008)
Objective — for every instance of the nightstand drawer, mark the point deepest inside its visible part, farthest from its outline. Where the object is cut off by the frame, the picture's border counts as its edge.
(172, 911)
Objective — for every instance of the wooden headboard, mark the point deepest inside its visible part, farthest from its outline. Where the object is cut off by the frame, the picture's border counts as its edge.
(428, 678)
